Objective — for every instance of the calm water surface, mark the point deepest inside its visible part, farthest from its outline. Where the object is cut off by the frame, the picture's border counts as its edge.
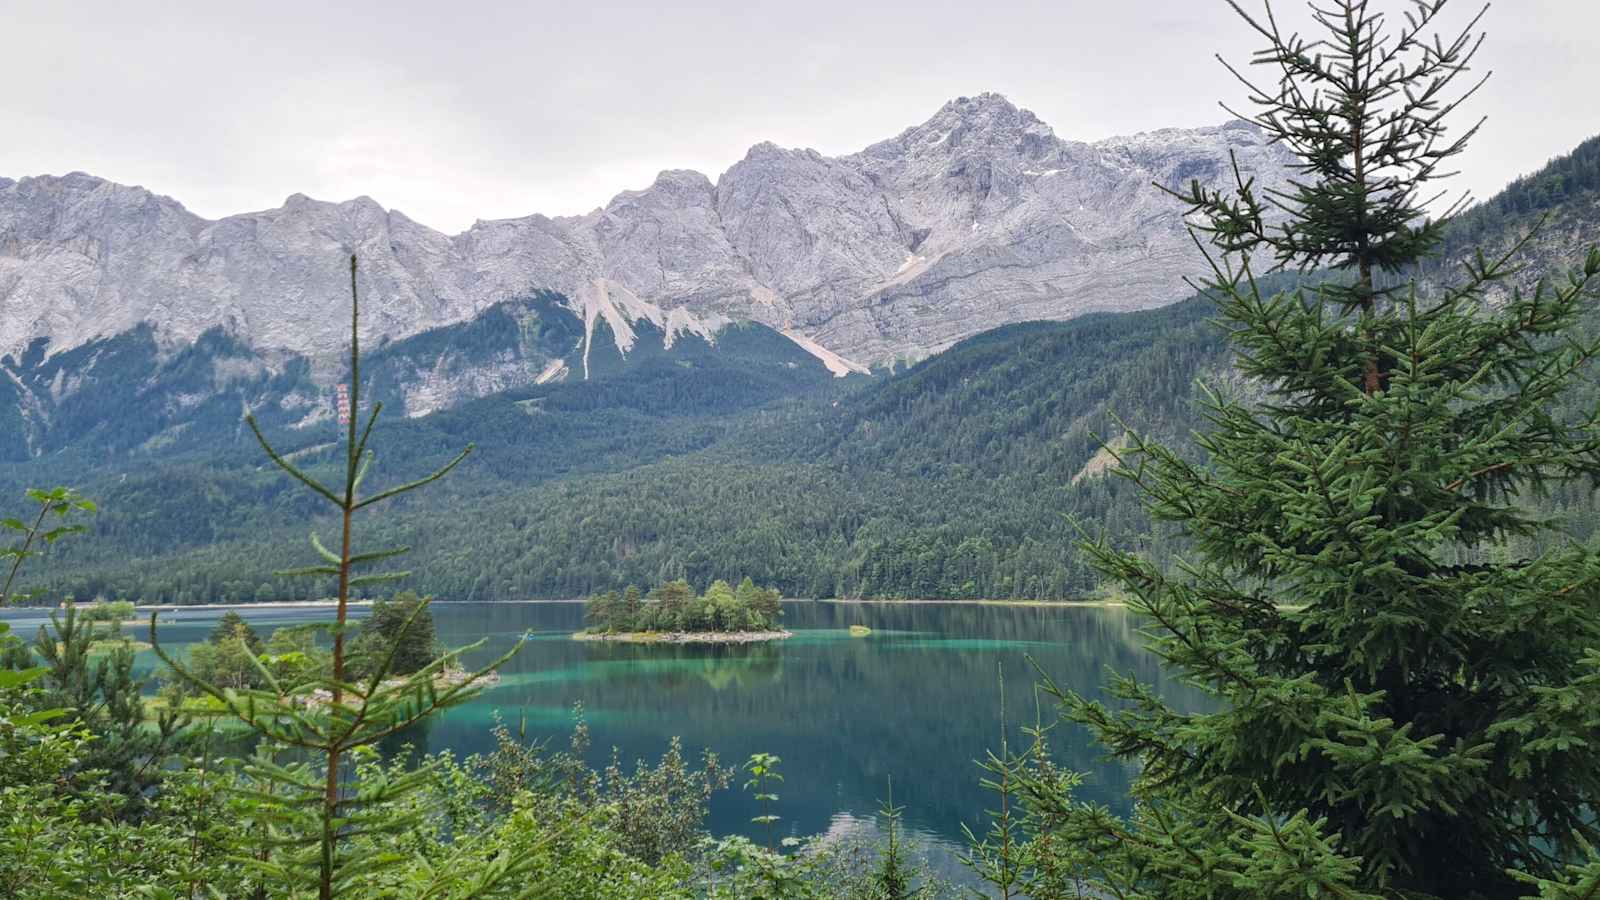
(918, 700)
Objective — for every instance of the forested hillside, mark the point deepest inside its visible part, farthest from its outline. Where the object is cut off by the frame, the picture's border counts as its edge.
(1559, 206)
(953, 478)
(1568, 185)
(967, 475)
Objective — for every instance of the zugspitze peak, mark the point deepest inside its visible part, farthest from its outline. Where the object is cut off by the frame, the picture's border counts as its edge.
(978, 217)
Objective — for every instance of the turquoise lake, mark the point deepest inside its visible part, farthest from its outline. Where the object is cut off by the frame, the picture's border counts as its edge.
(917, 700)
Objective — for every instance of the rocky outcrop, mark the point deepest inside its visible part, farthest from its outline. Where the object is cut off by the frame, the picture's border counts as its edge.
(978, 217)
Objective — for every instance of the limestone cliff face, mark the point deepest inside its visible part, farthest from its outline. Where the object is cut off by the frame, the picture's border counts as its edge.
(978, 217)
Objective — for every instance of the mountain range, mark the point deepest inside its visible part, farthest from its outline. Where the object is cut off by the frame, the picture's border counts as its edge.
(606, 458)
(978, 217)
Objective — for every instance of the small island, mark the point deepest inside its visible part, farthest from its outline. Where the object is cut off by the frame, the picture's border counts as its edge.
(103, 620)
(673, 614)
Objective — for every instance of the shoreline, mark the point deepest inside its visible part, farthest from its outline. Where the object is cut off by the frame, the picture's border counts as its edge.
(141, 610)
(937, 601)
(293, 604)
(270, 604)
(684, 637)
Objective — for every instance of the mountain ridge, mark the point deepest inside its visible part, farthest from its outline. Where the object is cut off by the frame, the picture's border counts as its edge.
(977, 217)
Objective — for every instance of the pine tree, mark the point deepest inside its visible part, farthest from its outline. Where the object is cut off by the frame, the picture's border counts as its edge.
(629, 614)
(231, 626)
(675, 599)
(90, 673)
(895, 878)
(601, 612)
(401, 626)
(333, 715)
(1390, 721)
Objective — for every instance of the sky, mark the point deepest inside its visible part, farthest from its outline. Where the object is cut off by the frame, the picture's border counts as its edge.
(484, 109)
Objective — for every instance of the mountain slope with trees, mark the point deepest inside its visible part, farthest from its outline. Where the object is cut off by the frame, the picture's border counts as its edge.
(965, 475)
(949, 479)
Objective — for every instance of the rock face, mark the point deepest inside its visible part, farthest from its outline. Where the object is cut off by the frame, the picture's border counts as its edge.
(979, 217)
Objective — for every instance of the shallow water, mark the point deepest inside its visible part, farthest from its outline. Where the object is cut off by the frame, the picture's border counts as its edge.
(917, 700)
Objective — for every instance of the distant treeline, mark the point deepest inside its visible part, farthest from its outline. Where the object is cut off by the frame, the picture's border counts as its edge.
(1569, 181)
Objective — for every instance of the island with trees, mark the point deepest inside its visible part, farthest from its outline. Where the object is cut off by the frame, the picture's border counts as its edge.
(672, 613)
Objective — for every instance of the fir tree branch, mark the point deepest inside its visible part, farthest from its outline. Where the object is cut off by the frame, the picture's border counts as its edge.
(411, 486)
(289, 467)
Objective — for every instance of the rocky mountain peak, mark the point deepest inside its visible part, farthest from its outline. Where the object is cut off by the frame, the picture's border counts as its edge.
(987, 123)
(764, 150)
(977, 217)
(80, 197)
(677, 186)
(991, 114)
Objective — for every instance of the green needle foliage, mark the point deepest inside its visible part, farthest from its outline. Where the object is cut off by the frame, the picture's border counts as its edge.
(895, 878)
(89, 669)
(331, 715)
(1405, 707)
(19, 671)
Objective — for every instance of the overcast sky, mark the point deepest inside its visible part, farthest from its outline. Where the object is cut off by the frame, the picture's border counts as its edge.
(452, 112)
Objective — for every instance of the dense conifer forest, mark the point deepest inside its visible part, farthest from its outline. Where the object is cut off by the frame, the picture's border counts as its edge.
(970, 475)
(955, 478)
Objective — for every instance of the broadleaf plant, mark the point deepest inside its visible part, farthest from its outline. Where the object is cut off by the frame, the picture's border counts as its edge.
(59, 503)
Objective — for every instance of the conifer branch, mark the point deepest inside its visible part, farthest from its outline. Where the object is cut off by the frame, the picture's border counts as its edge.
(411, 486)
(366, 433)
(289, 467)
(376, 555)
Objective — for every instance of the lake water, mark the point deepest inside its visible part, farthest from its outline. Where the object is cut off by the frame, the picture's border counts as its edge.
(917, 700)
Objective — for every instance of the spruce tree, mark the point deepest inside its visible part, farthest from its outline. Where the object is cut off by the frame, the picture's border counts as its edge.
(330, 716)
(1403, 708)
(233, 626)
(895, 878)
(89, 671)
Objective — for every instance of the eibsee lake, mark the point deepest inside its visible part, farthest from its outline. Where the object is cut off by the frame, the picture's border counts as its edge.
(917, 700)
